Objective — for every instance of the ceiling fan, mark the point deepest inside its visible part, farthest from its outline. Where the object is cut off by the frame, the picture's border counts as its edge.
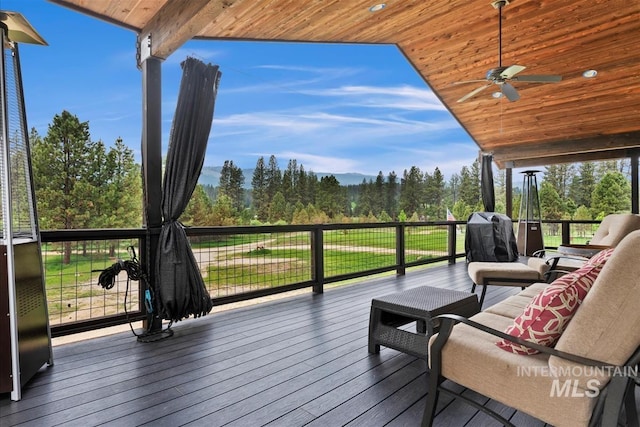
(501, 76)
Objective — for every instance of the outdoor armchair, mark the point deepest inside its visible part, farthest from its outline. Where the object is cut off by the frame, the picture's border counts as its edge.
(585, 379)
(610, 232)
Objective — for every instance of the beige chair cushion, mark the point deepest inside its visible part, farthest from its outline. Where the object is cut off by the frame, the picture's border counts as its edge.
(511, 307)
(606, 327)
(479, 271)
(472, 359)
(533, 290)
(614, 228)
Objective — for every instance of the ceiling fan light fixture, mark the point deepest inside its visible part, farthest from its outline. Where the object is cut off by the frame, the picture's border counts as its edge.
(377, 7)
(497, 95)
(589, 74)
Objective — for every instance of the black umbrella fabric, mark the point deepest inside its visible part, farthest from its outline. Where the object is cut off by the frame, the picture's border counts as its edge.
(180, 290)
(486, 182)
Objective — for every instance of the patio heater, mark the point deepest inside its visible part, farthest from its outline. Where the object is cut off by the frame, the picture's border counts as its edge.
(529, 222)
(25, 336)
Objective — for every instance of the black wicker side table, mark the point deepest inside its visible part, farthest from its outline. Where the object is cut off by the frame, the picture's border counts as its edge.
(418, 305)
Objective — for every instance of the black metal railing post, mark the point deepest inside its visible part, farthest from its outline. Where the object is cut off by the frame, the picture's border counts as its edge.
(451, 231)
(566, 232)
(317, 259)
(400, 250)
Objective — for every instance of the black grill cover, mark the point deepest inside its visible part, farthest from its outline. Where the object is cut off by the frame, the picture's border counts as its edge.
(490, 237)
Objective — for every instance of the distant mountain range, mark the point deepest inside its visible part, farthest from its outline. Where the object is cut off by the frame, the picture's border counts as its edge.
(211, 176)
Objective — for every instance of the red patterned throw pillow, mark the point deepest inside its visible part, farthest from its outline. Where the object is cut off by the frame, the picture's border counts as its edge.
(547, 315)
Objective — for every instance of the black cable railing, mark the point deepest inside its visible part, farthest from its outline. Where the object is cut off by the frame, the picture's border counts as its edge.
(242, 263)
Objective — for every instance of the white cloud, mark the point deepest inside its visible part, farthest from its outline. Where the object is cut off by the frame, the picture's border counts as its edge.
(260, 82)
(394, 97)
(330, 71)
(205, 55)
(317, 163)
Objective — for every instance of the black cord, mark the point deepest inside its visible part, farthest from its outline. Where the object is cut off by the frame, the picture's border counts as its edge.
(108, 276)
(107, 280)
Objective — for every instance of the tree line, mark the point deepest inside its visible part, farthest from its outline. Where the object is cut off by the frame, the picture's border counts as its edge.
(584, 191)
(82, 184)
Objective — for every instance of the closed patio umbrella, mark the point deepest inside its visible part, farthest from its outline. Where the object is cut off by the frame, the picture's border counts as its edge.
(180, 289)
(486, 182)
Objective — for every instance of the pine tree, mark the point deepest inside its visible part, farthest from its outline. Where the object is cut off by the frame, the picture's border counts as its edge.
(365, 199)
(312, 183)
(222, 212)
(559, 176)
(277, 208)
(611, 195)
(124, 190)
(259, 191)
(411, 190)
(302, 187)
(379, 196)
(62, 165)
(199, 210)
(231, 182)
(331, 197)
(434, 195)
(582, 184)
(391, 196)
(290, 179)
(273, 178)
(469, 189)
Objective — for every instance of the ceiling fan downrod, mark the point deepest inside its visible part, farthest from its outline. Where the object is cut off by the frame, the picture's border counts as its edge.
(499, 4)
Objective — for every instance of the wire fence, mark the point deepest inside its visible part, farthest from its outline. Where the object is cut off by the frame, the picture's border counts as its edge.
(72, 269)
(241, 263)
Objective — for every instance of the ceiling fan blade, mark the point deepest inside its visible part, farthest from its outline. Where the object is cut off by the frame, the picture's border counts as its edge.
(474, 92)
(511, 71)
(540, 78)
(469, 81)
(510, 92)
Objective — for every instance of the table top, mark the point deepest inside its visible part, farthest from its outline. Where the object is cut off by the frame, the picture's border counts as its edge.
(424, 299)
(586, 251)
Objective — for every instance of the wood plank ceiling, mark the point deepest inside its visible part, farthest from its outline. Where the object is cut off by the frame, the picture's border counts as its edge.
(448, 41)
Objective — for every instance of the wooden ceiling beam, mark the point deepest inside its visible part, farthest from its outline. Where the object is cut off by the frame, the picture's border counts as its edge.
(567, 151)
(595, 156)
(179, 21)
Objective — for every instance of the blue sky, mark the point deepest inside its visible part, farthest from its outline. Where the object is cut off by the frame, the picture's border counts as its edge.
(333, 108)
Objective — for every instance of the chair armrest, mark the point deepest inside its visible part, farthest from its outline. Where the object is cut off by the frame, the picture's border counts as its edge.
(554, 261)
(447, 321)
(554, 273)
(540, 253)
(557, 258)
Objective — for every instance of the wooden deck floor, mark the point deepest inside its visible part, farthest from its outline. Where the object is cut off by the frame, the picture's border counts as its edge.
(294, 361)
